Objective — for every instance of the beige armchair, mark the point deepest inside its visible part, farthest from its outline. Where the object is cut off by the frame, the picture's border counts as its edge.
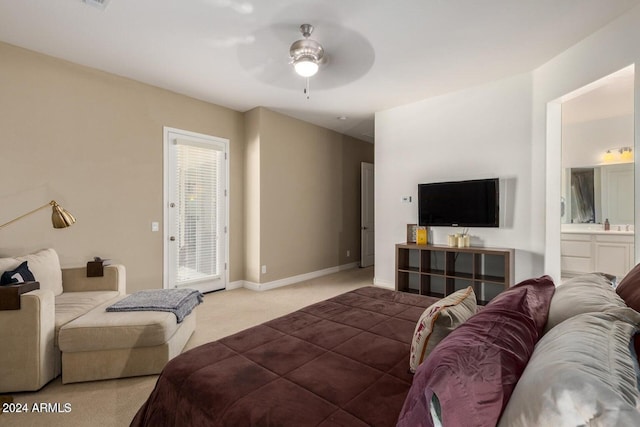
(30, 356)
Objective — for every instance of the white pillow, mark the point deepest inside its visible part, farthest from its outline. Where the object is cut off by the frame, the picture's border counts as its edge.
(582, 372)
(587, 293)
(45, 266)
(438, 321)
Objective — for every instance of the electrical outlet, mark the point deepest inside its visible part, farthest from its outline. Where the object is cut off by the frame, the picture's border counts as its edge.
(348, 253)
(264, 269)
(155, 226)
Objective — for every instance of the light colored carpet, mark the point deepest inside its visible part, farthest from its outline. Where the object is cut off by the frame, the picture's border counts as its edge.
(115, 402)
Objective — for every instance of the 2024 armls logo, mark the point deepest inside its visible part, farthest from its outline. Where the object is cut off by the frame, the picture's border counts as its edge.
(41, 407)
(48, 407)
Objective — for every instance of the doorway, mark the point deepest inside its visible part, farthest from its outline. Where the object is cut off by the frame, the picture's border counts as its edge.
(195, 211)
(367, 223)
(597, 185)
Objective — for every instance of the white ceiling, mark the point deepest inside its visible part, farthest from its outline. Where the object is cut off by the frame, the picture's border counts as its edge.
(611, 96)
(381, 54)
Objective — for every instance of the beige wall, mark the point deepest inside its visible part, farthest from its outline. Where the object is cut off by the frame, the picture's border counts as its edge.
(94, 142)
(252, 195)
(309, 199)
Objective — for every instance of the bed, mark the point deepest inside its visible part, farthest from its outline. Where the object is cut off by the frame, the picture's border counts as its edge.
(533, 356)
(341, 362)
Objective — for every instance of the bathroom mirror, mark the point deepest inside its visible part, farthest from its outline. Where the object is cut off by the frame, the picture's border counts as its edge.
(594, 194)
(598, 148)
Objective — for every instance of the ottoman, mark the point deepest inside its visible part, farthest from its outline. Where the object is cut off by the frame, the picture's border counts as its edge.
(101, 345)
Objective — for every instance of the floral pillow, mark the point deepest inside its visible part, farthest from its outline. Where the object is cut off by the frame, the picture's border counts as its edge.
(438, 321)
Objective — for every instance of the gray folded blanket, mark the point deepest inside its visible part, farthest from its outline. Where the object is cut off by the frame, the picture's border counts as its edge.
(178, 301)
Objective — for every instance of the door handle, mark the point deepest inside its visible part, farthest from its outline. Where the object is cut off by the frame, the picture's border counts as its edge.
(172, 238)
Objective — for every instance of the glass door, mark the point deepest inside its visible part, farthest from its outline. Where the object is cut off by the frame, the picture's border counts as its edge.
(195, 212)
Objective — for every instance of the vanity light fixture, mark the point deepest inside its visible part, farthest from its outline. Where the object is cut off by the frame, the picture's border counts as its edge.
(618, 155)
(608, 157)
(626, 154)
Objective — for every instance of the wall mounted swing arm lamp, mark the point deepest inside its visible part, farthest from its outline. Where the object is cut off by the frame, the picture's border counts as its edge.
(60, 218)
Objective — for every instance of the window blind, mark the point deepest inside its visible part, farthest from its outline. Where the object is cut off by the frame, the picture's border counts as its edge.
(197, 176)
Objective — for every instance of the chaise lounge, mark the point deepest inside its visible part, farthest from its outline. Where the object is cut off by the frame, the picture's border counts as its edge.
(63, 328)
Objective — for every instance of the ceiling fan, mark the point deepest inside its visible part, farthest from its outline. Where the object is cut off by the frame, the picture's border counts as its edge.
(306, 55)
(340, 56)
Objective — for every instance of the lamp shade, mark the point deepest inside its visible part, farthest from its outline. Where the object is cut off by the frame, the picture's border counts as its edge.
(626, 154)
(305, 67)
(60, 217)
(608, 157)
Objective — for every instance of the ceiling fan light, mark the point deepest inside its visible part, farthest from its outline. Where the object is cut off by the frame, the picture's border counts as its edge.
(306, 67)
(306, 54)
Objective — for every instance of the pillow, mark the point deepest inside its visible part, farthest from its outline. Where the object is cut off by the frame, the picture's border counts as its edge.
(629, 288)
(583, 372)
(473, 371)
(438, 321)
(45, 266)
(587, 293)
(20, 274)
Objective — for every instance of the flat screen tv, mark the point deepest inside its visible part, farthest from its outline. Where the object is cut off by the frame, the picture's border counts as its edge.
(473, 203)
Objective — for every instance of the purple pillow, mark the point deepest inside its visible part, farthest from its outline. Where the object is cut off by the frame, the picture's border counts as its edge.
(471, 374)
(629, 288)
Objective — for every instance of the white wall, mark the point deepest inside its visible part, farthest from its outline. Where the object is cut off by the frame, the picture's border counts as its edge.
(584, 143)
(511, 129)
(608, 50)
(482, 132)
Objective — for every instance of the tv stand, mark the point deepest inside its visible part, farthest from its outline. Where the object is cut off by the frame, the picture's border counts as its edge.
(437, 270)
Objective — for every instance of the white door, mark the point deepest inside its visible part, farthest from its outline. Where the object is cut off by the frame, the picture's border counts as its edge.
(366, 217)
(195, 211)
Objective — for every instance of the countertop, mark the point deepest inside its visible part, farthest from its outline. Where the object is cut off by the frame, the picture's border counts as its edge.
(597, 230)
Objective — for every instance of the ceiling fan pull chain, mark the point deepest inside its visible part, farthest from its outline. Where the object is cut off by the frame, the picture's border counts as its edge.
(307, 91)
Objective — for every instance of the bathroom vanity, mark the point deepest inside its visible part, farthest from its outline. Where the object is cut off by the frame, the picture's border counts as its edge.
(588, 248)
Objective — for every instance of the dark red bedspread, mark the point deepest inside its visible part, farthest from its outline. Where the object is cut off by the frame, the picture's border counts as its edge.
(340, 362)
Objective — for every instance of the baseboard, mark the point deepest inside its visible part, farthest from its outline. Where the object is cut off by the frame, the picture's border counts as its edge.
(383, 284)
(294, 279)
(348, 266)
(235, 285)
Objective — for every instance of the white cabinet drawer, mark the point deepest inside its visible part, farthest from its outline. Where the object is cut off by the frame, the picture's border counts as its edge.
(576, 237)
(576, 249)
(612, 258)
(576, 264)
(614, 238)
